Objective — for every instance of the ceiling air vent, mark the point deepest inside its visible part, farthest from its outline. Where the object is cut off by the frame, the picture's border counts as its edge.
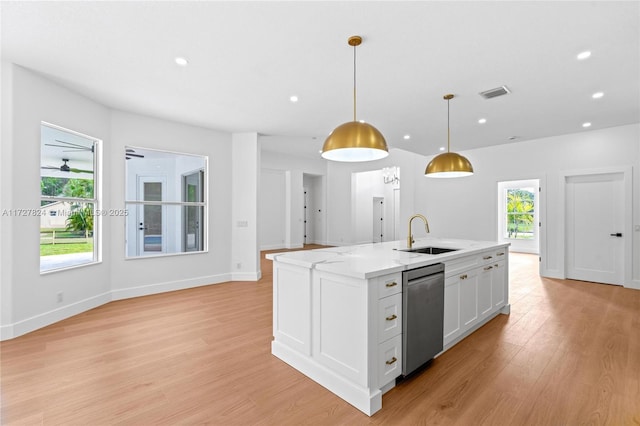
(492, 93)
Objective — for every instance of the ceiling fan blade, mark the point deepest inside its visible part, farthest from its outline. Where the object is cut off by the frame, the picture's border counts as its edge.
(73, 170)
(71, 144)
(134, 155)
(50, 167)
(59, 146)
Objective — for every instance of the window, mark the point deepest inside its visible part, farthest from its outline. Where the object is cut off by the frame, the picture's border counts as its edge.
(166, 206)
(68, 198)
(518, 221)
(520, 212)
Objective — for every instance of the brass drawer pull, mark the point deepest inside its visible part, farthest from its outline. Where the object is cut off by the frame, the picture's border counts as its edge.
(392, 317)
(488, 267)
(391, 284)
(463, 277)
(501, 254)
(488, 257)
(392, 361)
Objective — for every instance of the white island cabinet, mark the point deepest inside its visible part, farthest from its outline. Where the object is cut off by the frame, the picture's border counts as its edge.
(337, 312)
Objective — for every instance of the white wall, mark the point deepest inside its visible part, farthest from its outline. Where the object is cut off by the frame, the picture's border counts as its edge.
(272, 208)
(466, 207)
(29, 299)
(340, 206)
(245, 186)
(294, 169)
(139, 276)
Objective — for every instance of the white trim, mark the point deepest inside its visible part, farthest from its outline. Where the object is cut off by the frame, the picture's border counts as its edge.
(156, 288)
(18, 328)
(246, 276)
(44, 319)
(627, 172)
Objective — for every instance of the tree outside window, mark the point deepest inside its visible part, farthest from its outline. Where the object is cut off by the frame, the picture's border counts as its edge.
(520, 213)
(68, 199)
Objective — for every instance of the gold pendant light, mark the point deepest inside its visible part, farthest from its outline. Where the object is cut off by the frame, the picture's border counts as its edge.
(355, 141)
(448, 164)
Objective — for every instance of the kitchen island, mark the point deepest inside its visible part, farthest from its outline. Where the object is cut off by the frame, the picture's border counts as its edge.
(337, 312)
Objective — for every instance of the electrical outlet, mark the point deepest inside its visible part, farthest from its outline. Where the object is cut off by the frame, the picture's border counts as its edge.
(59, 297)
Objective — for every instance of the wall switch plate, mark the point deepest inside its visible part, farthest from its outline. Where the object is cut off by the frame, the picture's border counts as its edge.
(59, 297)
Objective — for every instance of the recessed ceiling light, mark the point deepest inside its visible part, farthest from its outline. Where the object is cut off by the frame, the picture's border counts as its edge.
(583, 55)
(407, 137)
(442, 148)
(181, 61)
(293, 99)
(482, 120)
(587, 124)
(597, 95)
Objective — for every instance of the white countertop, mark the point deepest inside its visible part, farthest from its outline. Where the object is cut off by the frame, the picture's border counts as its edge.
(370, 260)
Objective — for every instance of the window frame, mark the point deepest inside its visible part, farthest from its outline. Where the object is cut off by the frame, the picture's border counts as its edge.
(96, 201)
(132, 214)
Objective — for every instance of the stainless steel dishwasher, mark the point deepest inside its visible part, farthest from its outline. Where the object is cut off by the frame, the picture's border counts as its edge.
(423, 315)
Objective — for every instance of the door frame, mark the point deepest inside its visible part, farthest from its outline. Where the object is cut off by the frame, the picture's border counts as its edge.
(626, 171)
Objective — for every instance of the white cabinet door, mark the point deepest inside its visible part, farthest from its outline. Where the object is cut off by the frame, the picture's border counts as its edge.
(498, 283)
(389, 360)
(292, 307)
(340, 329)
(485, 302)
(389, 317)
(469, 297)
(451, 308)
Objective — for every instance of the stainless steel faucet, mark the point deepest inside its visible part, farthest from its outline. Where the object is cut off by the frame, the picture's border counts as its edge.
(410, 239)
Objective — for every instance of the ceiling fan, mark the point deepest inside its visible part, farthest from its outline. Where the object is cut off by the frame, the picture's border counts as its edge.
(65, 168)
(129, 153)
(71, 147)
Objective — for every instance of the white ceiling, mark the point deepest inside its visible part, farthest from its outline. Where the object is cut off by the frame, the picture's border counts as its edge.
(247, 58)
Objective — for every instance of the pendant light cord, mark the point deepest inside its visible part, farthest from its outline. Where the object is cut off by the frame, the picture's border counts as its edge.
(448, 130)
(354, 83)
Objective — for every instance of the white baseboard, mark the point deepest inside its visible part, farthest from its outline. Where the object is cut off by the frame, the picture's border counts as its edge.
(364, 399)
(246, 276)
(635, 284)
(145, 290)
(35, 322)
(10, 331)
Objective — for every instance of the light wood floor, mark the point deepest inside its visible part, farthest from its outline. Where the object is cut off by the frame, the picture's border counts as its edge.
(569, 354)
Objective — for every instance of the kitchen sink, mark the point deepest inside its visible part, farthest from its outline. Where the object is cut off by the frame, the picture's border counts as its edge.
(430, 250)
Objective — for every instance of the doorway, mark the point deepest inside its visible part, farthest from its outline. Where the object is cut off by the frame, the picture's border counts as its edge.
(597, 226)
(518, 215)
(378, 220)
(150, 217)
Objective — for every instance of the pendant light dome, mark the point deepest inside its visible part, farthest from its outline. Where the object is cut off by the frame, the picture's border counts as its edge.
(449, 164)
(355, 141)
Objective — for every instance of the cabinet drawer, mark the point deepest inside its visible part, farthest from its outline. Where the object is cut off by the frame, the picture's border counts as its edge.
(462, 264)
(389, 284)
(494, 255)
(389, 360)
(389, 317)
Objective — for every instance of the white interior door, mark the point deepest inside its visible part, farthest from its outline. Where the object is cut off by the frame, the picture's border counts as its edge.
(378, 219)
(595, 219)
(151, 217)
